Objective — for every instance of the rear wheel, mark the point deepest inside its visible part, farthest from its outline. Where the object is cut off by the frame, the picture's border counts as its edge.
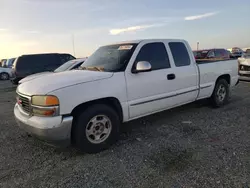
(221, 93)
(96, 128)
(4, 76)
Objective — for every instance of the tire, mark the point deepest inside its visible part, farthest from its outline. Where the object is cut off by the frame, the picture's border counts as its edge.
(4, 76)
(221, 93)
(83, 134)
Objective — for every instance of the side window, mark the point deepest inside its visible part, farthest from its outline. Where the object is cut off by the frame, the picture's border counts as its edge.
(180, 54)
(47, 62)
(225, 53)
(65, 58)
(218, 53)
(211, 54)
(155, 54)
(26, 63)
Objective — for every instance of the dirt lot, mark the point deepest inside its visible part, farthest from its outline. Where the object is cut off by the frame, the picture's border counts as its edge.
(191, 146)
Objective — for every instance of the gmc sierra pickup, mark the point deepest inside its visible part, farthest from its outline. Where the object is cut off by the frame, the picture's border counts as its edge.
(119, 83)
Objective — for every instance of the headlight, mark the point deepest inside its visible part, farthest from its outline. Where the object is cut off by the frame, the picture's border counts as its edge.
(45, 105)
(44, 100)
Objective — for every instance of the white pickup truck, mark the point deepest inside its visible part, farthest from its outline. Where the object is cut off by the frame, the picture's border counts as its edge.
(119, 83)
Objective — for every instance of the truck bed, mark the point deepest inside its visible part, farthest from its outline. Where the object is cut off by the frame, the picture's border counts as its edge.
(203, 61)
(211, 70)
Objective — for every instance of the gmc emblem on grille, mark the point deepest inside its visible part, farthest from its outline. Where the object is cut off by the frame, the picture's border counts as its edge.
(19, 101)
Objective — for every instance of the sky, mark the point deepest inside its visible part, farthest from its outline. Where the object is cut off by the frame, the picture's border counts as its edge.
(40, 26)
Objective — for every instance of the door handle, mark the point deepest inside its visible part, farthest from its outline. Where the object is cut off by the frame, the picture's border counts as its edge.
(171, 76)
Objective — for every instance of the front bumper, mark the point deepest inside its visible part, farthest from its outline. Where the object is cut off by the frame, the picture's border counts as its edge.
(52, 130)
(244, 75)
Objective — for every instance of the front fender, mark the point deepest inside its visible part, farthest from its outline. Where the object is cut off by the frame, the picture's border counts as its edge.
(70, 97)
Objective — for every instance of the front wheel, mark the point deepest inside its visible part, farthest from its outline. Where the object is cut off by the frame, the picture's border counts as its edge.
(4, 76)
(96, 128)
(221, 93)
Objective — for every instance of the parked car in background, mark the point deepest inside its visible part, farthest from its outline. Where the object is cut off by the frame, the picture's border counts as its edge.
(3, 63)
(244, 66)
(10, 62)
(212, 54)
(5, 73)
(247, 51)
(26, 65)
(70, 65)
(119, 83)
(236, 53)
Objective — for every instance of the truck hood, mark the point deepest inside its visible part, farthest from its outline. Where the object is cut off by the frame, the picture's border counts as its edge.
(33, 76)
(50, 82)
(245, 61)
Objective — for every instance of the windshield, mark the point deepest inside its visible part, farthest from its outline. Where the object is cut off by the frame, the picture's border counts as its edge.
(66, 66)
(113, 58)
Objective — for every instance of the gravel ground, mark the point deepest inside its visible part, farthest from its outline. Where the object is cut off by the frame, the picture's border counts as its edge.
(191, 146)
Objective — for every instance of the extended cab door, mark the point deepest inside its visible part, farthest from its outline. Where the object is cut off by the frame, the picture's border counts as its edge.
(186, 72)
(166, 85)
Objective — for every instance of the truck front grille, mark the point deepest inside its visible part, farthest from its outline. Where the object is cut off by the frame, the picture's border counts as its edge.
(24, 103)
(244, 68)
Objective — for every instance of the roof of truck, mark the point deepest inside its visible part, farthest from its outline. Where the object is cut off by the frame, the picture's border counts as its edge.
(147, 40)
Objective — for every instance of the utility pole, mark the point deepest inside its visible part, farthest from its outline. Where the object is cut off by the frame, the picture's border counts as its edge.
(73, 44)
(198, 46)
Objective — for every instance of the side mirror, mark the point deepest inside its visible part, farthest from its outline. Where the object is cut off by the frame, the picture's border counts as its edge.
(142, 66)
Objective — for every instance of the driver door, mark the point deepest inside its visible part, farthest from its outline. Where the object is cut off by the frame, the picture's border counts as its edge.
(147, 90)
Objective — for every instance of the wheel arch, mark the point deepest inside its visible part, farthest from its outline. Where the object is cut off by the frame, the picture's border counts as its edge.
(215, 102)
(5, 73)
(226, 77)
(110, 101)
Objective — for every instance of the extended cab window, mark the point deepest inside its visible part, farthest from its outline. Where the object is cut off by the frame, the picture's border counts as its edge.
(180, 54)
(155, 54)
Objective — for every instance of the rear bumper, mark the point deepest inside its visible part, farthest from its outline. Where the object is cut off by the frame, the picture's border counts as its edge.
(52, 130)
